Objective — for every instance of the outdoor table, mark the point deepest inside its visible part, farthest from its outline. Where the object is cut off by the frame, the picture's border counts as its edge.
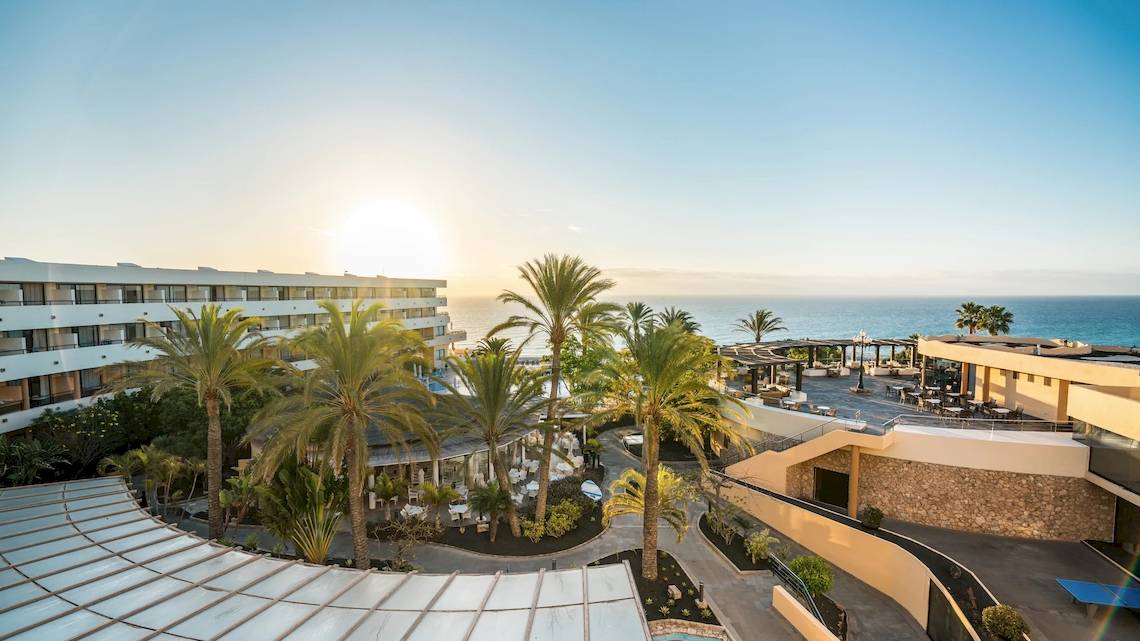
(532, 486)
(933, 401)
(460, 509)
(823, 408)
(532, 465)
(517, 498)
(413, 510)
(974, 401)
(1000, 410)
(954, 410)
(516, 475)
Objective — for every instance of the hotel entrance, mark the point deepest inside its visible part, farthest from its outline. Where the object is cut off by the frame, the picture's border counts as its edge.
(831, 487)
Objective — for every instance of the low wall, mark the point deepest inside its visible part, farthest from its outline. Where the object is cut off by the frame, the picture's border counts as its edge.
(662, 627)
(796, 614)
(878, 563)
(762, 421)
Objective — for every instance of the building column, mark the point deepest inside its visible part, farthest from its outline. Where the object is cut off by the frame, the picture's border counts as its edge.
(853, 484)
(771, 374)
(76, 392)
(755, 374)
(922, 373)
(878, 355)
(435, 471)
(985, 384)
(27, 404)
(799, 377)
(1062, 401)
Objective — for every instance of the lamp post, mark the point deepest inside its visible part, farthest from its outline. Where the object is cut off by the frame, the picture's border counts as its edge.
(861, 341)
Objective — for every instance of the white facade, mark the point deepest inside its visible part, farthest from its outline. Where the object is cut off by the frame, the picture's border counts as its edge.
(64, 328)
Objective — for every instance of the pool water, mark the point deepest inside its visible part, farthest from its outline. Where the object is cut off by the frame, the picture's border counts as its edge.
(682, 636)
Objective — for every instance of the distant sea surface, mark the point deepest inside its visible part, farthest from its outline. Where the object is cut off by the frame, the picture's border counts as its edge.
(1105, 320)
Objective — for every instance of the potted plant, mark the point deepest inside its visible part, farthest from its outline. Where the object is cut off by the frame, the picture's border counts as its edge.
(871, 518)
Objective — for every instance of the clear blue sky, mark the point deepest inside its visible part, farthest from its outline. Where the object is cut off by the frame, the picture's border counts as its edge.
(694, 147)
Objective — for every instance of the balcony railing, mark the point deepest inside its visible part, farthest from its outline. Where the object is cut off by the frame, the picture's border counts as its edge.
(7, 407)
(188, 299)
(985, 424)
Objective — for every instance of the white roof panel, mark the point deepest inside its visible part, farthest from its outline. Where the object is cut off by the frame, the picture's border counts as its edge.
(78, 555)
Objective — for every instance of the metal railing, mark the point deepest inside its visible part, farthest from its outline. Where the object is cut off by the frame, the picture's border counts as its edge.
(981, 424)
(790, 579)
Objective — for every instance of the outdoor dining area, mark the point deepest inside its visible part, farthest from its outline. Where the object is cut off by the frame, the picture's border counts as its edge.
(948, 400)
(439, 489)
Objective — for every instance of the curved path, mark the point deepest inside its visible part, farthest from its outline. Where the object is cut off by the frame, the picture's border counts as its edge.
(743, 602)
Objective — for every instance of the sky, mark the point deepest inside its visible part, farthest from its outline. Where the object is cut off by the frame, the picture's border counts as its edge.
(696, 148)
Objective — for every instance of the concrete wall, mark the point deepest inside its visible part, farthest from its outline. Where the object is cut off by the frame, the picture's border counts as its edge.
(762, 421)
(878, 563)
(1038, 395)
(1112, 408)
(796, 614)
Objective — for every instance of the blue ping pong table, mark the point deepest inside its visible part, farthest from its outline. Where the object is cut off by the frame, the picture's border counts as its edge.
(1093, 595)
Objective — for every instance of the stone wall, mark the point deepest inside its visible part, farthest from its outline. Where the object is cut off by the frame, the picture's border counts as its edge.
(1035, 506)
(664, 627)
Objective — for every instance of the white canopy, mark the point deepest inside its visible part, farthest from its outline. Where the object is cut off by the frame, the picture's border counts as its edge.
(82, 560)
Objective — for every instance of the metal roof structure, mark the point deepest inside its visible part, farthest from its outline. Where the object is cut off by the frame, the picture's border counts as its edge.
(773, 352)
(82, 560)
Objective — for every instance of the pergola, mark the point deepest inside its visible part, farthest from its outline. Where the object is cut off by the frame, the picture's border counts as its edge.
(82, 560)
(772, 354)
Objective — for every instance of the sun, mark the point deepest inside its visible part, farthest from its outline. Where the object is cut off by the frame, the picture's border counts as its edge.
(390, 237)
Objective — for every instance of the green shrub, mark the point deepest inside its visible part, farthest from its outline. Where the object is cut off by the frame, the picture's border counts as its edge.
(226, 541)
(872, 517)
(533, 530)
(558, 524)
(250, 542)
(1003, 622)
(706, 613)
(685, 612)
(759, 543)
(814, 572)
(664, 610)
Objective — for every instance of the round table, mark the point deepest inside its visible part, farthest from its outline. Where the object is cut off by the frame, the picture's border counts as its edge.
(413, 510)
(954, 410)
(459, 509)
(532, 486)
(1000, 410)
(516, 475)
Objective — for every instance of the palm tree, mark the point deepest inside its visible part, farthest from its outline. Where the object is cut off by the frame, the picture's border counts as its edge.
(502, 397)
(661, 379)
(490, 345)
(761, 322)
(680, 318)
(215, 355)
(239, 496)
(437, 496)
(674, 494)
(638, 317)
(562, 287)
(195, 467)
(363, 384)
(970, 316)
(491, 499)
(996, 320)
(388, 488)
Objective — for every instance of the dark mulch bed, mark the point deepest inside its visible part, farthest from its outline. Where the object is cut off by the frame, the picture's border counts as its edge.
(734, 551)
(655, 594)
(673, 452)
(589, 526)
(834, 617)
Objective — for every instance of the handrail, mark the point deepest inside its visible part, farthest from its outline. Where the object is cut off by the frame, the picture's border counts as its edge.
(991, 424)
(792, 580)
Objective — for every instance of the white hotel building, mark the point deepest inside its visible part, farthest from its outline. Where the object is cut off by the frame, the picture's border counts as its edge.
(64, 328)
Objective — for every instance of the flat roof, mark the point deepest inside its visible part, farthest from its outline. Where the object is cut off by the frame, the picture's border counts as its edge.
(82, 560)
(1054, 348)
(773, 352)
(13, 269)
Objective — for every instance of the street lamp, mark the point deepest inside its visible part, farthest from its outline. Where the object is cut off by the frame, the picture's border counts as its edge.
(861, 340)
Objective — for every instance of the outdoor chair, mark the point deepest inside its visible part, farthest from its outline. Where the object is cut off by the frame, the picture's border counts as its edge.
(413, 496)
(833, 412)
(481, 527)
(455, 517)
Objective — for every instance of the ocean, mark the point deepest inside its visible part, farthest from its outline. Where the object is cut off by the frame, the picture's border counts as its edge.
(1106, 320)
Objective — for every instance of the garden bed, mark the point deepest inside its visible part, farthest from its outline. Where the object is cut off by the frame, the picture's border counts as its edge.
(734, 551)
(654, 595)
(589, 526)
(672, 452)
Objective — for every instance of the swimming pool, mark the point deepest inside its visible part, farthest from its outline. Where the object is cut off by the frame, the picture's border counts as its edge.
(682, 636)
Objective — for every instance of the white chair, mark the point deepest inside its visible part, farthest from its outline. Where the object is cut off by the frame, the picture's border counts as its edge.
(413, 496)
(421, 477)
(455, 518)
(372, 500)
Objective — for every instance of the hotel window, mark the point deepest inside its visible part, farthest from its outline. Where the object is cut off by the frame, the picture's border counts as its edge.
(1048, 382)
(33, 293)
(440, 330)
(346, 292)
(1029, 377)
(251, 293)
(1015, 375)
(90, 381)
(85, 294)
(88, 335)
(176, 294)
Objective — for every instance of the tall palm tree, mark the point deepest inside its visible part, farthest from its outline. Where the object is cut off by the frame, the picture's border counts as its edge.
(363, 383)
(638, 316)
(489, 345)
(674, 495)
(215, 355)
(595, 323)
(661, 380)
(996, 320)
(502, 397)
(679, 317)
(970, 316)
(562, 286)
(761, 322)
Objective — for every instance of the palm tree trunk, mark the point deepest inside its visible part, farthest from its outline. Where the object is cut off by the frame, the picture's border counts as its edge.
(548, 433)
(214, 464)
(360, 558)
(504, 483)
(652, 504)
(495, 527)
(190, 494)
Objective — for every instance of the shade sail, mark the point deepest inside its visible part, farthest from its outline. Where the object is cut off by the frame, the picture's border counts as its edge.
(81, 560)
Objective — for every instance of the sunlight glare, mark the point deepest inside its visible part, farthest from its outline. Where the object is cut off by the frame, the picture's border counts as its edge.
(390, 237)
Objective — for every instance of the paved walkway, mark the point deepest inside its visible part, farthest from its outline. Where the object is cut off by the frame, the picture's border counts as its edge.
(1023, 573)
(742, 602)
